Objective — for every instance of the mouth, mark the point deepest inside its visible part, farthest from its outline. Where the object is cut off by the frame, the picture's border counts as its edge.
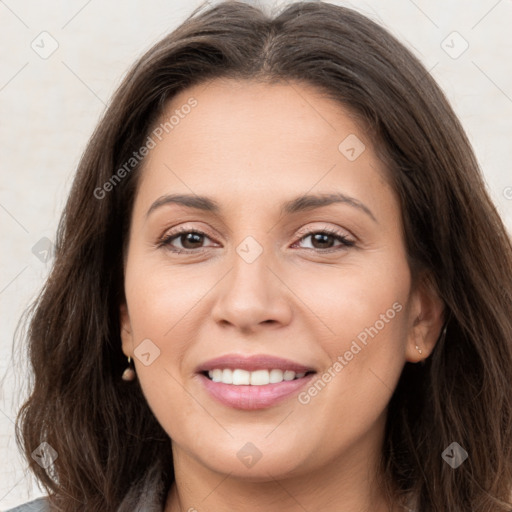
(252, 382)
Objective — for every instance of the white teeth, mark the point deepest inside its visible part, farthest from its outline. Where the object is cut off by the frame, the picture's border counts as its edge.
(216, 375)
(241, 377)
(289, 375)
(260, 378)
(256, 378)
(276, 376)
(227, 376)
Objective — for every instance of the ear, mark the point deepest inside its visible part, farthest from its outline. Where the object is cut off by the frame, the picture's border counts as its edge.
(426, 319)
(126, 330)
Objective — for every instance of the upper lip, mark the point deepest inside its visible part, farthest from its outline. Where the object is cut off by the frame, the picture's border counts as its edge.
(252, 363)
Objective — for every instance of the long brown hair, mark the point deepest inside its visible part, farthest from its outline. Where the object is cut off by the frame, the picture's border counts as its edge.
(101, 427)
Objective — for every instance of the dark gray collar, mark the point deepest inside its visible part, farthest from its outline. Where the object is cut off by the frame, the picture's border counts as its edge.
(148, 495)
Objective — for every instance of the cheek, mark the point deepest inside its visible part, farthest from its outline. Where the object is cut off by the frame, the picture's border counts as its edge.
(160, 301)
(348, 299)
(161, 298)
(361, 313)
(366, 352)
(160, 305)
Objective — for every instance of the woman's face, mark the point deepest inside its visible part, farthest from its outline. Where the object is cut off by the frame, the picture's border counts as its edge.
(259, 171)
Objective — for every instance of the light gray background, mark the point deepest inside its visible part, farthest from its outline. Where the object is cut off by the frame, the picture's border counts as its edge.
(50, 106)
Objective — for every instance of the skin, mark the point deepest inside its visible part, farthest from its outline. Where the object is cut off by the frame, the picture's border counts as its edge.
(251, 146)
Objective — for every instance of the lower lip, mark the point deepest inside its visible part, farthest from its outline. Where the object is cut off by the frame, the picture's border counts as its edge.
(253, 397)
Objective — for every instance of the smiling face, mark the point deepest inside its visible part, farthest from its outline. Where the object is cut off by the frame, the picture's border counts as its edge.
(299, 255)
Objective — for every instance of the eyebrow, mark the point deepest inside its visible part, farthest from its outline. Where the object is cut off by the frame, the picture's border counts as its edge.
(298, 204)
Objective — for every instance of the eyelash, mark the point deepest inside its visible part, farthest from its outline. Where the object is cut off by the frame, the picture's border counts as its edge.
(166, 240)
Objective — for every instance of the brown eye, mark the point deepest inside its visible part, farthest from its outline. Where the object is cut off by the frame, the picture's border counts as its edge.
(325, 239)
(188, 240)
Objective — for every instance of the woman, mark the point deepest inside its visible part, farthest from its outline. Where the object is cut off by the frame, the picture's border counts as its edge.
(339, 339)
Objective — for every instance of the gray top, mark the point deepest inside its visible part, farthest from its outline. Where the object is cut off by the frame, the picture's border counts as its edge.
(38, 505)
(146, 496)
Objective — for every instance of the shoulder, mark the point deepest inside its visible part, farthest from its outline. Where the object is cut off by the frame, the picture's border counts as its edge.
(37, 505)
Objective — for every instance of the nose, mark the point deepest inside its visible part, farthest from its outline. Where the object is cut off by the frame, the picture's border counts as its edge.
(253, 295)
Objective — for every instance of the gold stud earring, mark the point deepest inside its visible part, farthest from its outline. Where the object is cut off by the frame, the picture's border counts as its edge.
(129, 373)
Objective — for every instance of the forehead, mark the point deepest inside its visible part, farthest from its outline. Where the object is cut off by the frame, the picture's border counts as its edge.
(286, 115)
(262, 142)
